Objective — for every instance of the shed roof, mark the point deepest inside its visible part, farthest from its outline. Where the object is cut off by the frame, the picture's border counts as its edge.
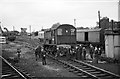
(88, 30)
(55, 26)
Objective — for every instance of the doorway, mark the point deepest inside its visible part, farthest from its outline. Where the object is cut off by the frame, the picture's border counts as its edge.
(86, 36)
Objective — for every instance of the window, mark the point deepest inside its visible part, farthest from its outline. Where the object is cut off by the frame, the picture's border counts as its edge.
(72, 31)
(59, 31)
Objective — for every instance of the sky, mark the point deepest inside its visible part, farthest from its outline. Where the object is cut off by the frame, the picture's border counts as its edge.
(44, 13)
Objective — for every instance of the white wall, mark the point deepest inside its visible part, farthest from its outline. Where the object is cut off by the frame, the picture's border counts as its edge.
(109, 46)
(41, 34)
(80, 36)
(93, 36)
(112, 46)
(117, 46)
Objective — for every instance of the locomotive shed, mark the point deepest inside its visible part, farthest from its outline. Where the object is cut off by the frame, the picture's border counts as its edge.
(35, 68)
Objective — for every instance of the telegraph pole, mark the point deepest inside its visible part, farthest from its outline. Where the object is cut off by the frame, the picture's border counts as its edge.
(119, 10)
(74, 22)
(13, 28)
(99, 18)
(30, 31)
(112, 25)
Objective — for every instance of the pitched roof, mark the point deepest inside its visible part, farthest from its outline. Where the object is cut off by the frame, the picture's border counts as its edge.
(55, 26)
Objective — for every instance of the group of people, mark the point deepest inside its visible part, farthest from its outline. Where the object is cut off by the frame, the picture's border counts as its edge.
(89, 51)
(80, 52)
(41, 53)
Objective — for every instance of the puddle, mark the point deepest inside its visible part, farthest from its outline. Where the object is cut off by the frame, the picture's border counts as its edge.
(49, 67)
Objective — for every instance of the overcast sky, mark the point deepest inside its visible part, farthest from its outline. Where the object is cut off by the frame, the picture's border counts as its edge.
(45, 13)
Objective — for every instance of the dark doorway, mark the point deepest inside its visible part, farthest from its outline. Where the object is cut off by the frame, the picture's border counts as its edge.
(50, 41)
(86, 36)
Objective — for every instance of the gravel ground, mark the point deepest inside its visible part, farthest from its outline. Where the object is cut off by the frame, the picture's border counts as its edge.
(33, 67)
(52, 69)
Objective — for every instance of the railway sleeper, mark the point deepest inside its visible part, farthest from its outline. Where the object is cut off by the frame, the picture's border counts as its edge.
(84, 66)
(76, 68)
(87, 68)
(11, 76)
(79, 74)
(85, 76)
(76, 71)
(71, 70)
(8, 73)
(95, 72)
(65, 66)
(90, 70)
(112, 74)
(101, 75)
(108, 77)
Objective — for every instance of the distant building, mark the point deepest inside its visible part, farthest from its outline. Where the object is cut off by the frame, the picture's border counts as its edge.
(23, 31)
(41, 35)
(104, 23)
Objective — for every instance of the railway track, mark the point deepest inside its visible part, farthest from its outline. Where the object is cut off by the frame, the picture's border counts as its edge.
(10, 72)
(85, 70)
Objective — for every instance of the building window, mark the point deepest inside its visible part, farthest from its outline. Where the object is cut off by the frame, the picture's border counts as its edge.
(72, 31)
(59, 31)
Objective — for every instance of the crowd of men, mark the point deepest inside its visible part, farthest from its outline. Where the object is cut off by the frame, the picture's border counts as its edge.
(79, 52)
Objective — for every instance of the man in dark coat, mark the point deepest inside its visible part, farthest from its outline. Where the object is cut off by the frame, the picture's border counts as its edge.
(37, 51)
(80, 52)
(43, 56)
(84, 53)
(91, 51)
(18, 53)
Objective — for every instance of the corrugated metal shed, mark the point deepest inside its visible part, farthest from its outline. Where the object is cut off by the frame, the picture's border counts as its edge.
(88, 30)
(112, 45)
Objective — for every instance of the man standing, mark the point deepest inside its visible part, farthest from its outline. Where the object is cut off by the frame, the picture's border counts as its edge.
(43, 56)
(95, 60)
(37, 51)
(84, 53)
(80, 52)
(91, 51)
(18, 53)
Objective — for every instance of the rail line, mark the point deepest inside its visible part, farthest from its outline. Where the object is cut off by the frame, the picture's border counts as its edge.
(10, 72)
(98, 72)
(85, 70)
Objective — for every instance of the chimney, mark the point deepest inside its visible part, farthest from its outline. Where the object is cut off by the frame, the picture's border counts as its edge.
(119, 10)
